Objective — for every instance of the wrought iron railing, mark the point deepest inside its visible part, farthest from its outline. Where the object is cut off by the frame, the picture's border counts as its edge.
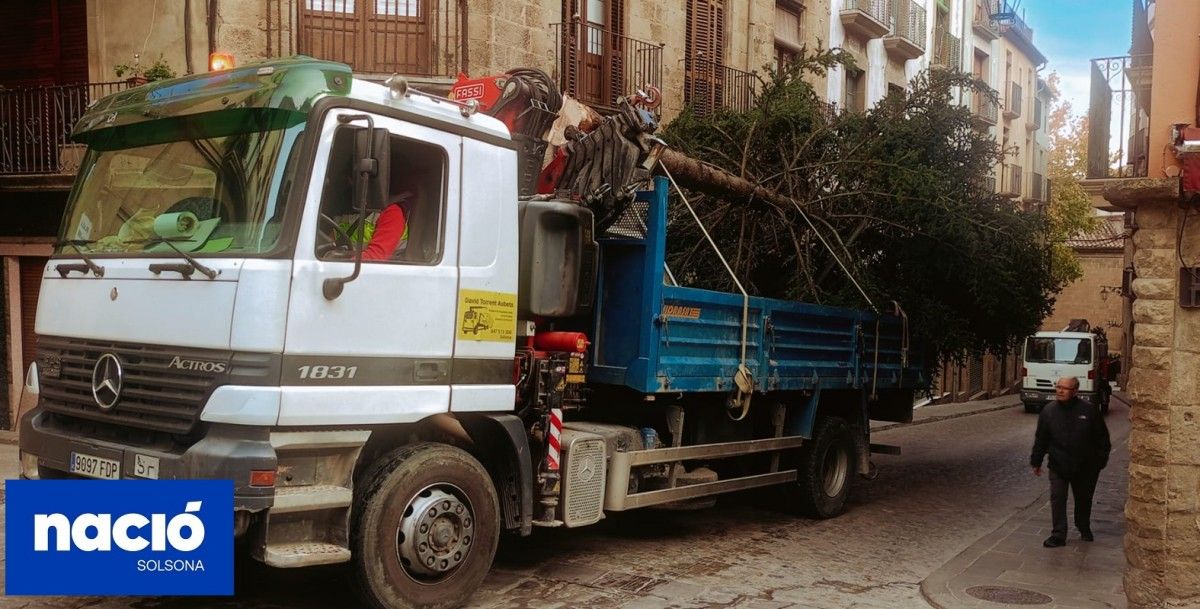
(985, 107)
(1118, 117)
(598, 65)
(947, 49)
(1038, 187)
(982, 21)
(412, 37)
(36, 123)
(1013, 106)
(710, 86)
(1020, 28)
(909, 22)
(1013, 180)
(879, 10)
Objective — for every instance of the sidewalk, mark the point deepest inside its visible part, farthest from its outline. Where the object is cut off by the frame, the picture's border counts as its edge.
(1010, 567)
(941, 412)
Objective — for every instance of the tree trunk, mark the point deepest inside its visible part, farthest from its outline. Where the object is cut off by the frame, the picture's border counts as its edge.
(697, 175)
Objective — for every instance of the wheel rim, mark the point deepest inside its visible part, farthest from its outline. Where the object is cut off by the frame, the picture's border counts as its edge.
(834, 468)
(435, 534)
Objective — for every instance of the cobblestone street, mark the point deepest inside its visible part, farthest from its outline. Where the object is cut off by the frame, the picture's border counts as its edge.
(958, 480)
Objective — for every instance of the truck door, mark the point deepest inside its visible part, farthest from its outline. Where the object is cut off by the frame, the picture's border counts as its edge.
(381, 351)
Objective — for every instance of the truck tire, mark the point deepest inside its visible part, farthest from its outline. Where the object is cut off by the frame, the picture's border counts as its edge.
(1032, 408)
(424, 529)
(826, 466)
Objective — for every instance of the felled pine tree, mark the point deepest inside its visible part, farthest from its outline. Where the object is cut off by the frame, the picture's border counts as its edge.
(901, 196)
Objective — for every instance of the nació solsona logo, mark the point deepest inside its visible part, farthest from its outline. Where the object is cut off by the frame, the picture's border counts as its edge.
(139, 537)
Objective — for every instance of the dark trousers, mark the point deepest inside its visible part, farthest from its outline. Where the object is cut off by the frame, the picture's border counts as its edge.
(1083, 486)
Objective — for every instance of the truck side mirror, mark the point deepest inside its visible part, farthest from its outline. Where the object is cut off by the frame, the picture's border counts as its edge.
(370, 167)
(372, 162)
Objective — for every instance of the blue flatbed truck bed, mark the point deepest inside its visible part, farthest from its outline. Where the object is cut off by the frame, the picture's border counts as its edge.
(658, 338)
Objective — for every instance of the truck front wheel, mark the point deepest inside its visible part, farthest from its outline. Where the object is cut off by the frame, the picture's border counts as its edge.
(826, 464)
(424, 528)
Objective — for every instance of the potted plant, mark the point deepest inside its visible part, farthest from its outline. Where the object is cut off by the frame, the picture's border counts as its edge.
(139, 75)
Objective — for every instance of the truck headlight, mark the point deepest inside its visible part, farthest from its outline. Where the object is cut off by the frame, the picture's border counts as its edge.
(29, 466)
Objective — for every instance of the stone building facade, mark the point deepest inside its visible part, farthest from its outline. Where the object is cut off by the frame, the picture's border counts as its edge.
(1163, 510)
(1097, 295)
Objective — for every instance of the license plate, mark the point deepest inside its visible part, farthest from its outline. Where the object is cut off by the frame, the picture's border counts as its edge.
(145, 466)
(95, 467)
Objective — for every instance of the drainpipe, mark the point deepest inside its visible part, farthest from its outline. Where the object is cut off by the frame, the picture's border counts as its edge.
(212, 26)
(187, 35)
(749, 32)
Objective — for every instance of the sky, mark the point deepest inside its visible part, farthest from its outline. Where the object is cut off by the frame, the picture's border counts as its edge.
(1070, 33)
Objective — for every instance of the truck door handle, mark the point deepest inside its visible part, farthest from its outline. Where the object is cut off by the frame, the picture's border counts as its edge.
(430, 371)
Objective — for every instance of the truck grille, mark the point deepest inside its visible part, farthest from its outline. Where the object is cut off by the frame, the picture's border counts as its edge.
(583, 478)
(153, 395)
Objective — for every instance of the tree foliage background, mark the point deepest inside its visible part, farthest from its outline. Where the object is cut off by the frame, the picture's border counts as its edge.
(900, 195)
(1070, 209)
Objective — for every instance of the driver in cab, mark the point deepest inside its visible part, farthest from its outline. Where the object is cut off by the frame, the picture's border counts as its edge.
(390, 237)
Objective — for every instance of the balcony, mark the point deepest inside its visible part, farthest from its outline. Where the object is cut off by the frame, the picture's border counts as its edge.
(982, 24)
(1013, 183)
(598, 66)
(1012, 109)
(985, 110)
(1118, 117)
(1039, 188)
(1034, 121)
(709, 87)
(947, 49)
(907, 40)
(35, 128)
(866, 18)
(1020, 29)
(425, 40)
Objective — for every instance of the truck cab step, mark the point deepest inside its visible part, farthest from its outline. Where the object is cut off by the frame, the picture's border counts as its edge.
(304, 554)
(310, 498)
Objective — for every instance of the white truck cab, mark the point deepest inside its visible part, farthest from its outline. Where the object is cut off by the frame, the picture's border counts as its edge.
(1049, 356)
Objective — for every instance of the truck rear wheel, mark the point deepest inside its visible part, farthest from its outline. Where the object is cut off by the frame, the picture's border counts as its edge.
(424, 529)
(826, 464)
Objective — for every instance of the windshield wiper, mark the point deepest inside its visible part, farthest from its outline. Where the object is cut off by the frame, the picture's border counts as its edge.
(185, 270)
(88, 263)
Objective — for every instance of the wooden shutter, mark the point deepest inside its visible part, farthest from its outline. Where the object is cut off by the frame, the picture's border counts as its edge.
(704, 53)
(569, 48)
(616, 49)
(31, 281)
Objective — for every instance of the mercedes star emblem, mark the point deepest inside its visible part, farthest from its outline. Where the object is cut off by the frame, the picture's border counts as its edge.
(106, 381)
(587, 469)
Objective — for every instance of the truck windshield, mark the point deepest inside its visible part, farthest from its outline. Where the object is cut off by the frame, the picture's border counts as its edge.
(211, 185)
(1047, 350)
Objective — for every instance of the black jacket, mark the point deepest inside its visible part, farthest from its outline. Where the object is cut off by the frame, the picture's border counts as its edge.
(1075, 436)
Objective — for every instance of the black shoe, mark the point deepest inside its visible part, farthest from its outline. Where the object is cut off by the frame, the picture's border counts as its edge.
(1054, 542)
(1086, 535)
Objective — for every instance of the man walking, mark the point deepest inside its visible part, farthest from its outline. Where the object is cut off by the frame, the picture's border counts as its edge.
(1074, 434)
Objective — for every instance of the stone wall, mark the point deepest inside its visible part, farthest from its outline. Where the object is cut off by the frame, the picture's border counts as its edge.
(1163, 510)
(120, 29)
(663, 22)
(1091, 297)
(506, 34)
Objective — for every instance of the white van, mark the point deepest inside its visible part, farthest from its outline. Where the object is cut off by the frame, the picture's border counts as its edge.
(1050, 356)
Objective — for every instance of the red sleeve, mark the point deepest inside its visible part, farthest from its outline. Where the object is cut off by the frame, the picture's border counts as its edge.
(388, 232)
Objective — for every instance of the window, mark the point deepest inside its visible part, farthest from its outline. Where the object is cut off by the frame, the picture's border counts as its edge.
(1046, 350)
(704, 55)
(854, 100)
(330, 6)
(789, 31)
(416, 196)
(398, 8)
(206, 185)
